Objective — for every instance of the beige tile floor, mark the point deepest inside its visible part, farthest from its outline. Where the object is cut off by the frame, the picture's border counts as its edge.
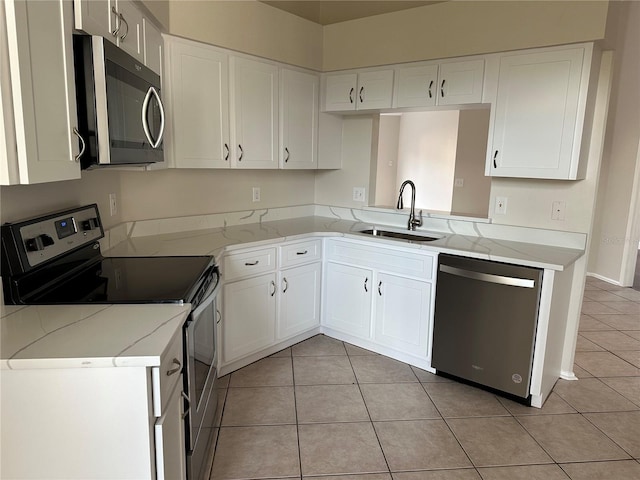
(327, 408)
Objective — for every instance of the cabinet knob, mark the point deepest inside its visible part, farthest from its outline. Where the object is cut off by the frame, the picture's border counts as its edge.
(351, 95)
(82, 143)
(442, 88)
(365, 284)
(361, 94)
(241, 153)
(430, 85)
(273, 285)
(380, 288)
(226, 154)
(495, 155)
(286, 284)
(286, 159)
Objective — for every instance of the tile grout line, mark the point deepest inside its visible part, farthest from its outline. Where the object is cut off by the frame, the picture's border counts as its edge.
(295, 408)
(375, 432)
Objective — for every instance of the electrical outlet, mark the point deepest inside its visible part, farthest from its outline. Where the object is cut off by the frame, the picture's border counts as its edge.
(256, 194)
(459, 182)
(358, 194)
(501, 206)
(557, 210)
(113, 204)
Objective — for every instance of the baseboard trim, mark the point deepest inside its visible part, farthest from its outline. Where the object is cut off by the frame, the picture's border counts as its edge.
(604, 279)
(568, 376)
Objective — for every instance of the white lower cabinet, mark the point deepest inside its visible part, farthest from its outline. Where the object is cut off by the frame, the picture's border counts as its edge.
(118, 422)
(381, 295)
(249, 316)
(403, 308)
(269, 297)
(299, 300)
(348, 299)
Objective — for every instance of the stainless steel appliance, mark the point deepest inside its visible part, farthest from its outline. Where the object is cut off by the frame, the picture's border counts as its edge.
(120, 112)
(56, 259)
(486, 316)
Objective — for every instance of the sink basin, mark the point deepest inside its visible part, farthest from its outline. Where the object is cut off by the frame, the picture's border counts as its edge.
(408, 236)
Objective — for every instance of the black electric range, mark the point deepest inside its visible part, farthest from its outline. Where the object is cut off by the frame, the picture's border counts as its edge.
(56, 259)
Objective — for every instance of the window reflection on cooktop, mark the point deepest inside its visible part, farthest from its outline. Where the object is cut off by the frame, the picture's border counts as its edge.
(131, 280)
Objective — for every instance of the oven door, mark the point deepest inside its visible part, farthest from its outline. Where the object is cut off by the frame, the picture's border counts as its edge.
(201, 362)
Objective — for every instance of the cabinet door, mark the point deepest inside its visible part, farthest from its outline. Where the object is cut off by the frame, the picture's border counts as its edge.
(249, 316)
(199, 102)
(340, 92)
(130, 30)
(299, 300)
(298, 119)
(402, 313)
(348, 299)
(460, 82)
(169, 439)
(535, 115)
(152, 46)
(375, 89)
(39, 40)
(254, 113)
(416, 86)
(95, 17)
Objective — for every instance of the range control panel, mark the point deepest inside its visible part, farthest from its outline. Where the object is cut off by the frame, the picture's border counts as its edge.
(47, 237)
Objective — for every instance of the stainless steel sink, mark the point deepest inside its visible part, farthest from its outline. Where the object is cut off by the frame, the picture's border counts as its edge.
(411, 237)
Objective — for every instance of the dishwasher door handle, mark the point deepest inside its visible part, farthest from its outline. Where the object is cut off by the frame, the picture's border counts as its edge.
(488, 277)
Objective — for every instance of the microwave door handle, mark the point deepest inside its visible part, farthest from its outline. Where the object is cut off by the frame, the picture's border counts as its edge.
(145, 124)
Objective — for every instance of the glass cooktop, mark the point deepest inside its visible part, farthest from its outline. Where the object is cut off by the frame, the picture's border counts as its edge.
(131, 280)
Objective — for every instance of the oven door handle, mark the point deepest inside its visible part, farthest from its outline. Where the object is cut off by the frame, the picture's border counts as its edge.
(212, 291)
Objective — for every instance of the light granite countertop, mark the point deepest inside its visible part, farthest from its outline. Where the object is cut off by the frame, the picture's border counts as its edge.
(215, 241)
(85, 336)
(81, 336)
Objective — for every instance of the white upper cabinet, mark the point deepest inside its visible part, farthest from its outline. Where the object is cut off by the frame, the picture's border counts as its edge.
(254, 113)
(416, 86)
(298, 119)
(426, 85)
(129, 28)
(460, 82)
(537, 119)
(40, 118)
(152, 47)
(358, 91)
(119, 21)
(198, 105)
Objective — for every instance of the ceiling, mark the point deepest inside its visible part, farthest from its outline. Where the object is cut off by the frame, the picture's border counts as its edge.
(335, 11)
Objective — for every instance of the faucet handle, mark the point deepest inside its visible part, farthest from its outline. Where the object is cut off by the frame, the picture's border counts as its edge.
(418, 221)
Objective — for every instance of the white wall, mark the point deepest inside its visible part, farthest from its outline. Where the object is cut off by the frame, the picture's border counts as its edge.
(427, 156)
(473, 197)
(451, 29)
(617, 202)
(387, 161)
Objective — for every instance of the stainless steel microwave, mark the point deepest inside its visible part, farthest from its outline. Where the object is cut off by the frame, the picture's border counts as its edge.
(120, 112)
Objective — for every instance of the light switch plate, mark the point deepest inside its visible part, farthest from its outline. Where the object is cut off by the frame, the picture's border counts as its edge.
(358, 194)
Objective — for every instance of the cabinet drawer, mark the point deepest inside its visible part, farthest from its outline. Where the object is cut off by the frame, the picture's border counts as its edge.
(414, 264)
(301, 252)
(167, 375)
(247, 264)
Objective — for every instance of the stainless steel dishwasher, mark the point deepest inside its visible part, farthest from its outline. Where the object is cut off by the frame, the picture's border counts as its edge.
(485, 323)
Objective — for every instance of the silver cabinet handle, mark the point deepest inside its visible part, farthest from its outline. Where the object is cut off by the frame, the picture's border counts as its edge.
(489, 277)
(145, 123)
(380, 288)
(365, 284)
(302, 253)
(286, 285)
(361, 94)
(495, 155)
(118, 22)
(351, 95)
(122, 37)
(84, 145)
(273, 284)
(252, 264)
(226, 155)
(430, 85)
(287, 157)
(442, 89)
(174, 370)
(188, 400)
(241, 153)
